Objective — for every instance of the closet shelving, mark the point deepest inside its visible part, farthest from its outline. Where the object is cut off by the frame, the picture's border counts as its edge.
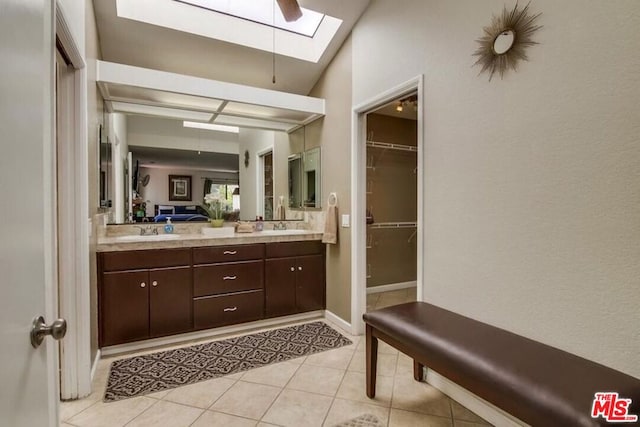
(389, 146)
(392, 225)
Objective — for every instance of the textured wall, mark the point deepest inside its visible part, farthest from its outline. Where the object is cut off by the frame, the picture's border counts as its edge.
(532, 185)
(334, 135)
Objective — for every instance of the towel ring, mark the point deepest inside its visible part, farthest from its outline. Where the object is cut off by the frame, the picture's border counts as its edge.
(333, 199)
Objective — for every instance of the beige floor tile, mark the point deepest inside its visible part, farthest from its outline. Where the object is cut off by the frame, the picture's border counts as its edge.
(353, 387)
(65, 425)
(463, 414)
(317, 379)
(167, 414)
(415, 396)
(460, 423)
(73, 407)
(386, 363)
(202, 394)
(112, 414)
(344, 410)
(247, 400)
(159, 394)
(276, 374)
(404, 367)
(212, 419)
(400, 418)
(263, 424)
(383, 347)
(298, 408)
(337, 359)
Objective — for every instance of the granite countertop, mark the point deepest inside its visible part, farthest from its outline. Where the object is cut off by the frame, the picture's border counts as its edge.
(164, 241)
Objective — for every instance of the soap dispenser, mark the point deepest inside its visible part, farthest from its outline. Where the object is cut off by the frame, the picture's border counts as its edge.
(168, 227)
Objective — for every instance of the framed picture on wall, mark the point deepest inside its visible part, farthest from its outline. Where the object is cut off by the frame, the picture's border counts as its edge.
(179, 188)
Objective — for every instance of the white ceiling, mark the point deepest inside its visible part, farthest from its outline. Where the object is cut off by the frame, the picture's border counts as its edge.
(134, 43)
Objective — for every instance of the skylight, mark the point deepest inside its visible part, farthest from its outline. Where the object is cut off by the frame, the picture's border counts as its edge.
(262, 12)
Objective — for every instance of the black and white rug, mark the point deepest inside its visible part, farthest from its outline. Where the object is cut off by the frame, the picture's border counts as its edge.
(174, 368)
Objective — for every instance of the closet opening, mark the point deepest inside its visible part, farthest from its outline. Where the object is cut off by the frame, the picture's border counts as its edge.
(391, 207)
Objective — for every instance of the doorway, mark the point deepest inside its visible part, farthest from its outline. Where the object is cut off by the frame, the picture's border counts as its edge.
(71, 216)
(391, 202)
(402, 226)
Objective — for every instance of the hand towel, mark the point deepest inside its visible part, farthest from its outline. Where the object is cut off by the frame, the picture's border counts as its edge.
(331, 225)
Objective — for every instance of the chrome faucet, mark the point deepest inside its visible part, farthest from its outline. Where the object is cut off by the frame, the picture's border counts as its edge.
(147, 230)
(280, 226)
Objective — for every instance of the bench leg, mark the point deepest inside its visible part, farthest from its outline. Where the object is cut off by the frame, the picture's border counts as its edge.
(418, 370)
(372, 362)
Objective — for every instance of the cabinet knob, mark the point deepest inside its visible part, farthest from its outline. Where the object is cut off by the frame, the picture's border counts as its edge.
(142, 285)
(293, 269)
(154, 283)
(230, 252)
(299, 268)
(229, 278)
(230, 309)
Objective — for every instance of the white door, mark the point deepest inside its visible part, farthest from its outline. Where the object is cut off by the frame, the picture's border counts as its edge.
(28, 395)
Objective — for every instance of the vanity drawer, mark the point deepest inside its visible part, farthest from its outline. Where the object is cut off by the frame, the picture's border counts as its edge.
(289, 249)
(132, 260)
(209, 312)
(228, 277)
(213, 254)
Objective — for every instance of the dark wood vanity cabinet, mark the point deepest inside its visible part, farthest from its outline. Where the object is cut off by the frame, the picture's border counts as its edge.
(140, 301)
(294, 278)
(158, 292)
(228, 285)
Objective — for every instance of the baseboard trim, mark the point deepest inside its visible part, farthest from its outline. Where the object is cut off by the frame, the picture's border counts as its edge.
(486, 410)
(337, 321)
(94, 366)
(191, 337)
(391, 287)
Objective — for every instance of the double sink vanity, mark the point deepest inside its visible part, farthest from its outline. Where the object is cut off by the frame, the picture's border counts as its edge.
(154, 286)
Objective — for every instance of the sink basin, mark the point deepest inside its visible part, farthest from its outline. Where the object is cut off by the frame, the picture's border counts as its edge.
(282, 232)
(148, 237)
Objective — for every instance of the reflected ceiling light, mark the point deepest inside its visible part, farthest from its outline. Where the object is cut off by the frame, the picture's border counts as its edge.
(210, 126)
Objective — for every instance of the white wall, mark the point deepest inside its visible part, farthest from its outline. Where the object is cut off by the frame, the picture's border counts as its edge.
(120, 147)
(531, 182)
(165, 133)
(74, 13)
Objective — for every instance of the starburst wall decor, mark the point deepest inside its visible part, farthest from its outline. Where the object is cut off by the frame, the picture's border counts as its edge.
(505, 41)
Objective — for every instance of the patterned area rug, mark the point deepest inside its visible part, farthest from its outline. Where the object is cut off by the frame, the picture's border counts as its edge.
(174, 368)
(366, 420)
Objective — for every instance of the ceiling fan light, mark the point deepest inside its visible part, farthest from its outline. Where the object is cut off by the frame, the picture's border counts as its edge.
(290, 10)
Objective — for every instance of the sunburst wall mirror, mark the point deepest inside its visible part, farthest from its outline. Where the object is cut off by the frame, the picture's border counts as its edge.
(505, 41)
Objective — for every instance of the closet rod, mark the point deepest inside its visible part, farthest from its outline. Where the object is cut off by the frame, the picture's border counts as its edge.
(393, 225)
(388, 146)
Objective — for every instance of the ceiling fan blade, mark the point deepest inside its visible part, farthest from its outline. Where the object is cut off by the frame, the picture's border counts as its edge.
(290, 10)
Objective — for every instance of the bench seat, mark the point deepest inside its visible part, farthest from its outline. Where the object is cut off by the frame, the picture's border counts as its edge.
(539, 384)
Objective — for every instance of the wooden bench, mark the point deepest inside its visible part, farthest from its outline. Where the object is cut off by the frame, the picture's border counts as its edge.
(536, 383)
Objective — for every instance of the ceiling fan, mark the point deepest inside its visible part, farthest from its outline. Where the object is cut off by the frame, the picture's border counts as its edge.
(290, 10)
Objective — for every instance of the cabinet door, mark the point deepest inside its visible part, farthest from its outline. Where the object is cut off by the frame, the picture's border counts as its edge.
(170, 301)
(310, 284)
(280, 289)
(124, 307)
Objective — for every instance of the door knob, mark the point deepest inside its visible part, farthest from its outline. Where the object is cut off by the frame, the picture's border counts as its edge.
(299, 268)
(293, 269)
(39, 330)
(154, 283)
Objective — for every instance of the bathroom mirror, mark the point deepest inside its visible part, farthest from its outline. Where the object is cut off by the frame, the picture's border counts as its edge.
(304, 169)
(294, 166)
(105, 168)
(311, 179)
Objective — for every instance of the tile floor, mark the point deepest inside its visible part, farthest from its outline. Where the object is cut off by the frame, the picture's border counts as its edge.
(318, 390)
